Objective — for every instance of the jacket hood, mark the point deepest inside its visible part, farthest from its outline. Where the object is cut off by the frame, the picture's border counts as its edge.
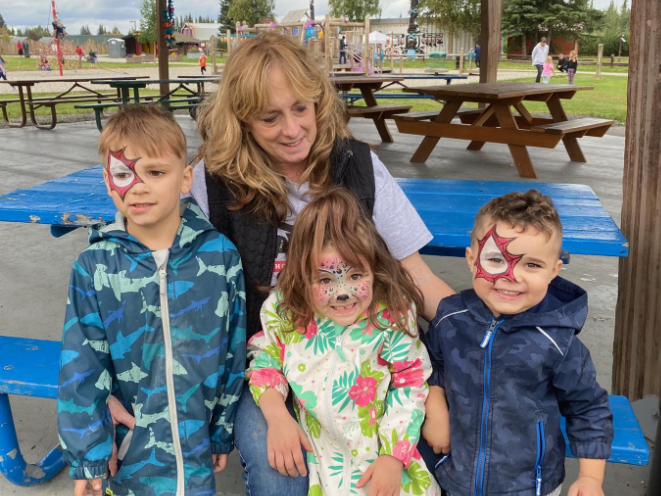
(565, 305)
(193, 224)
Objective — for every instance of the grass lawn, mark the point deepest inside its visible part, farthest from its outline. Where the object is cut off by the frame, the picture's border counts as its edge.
(503, 64)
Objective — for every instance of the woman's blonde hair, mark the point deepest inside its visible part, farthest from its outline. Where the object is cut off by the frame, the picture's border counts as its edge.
(229, 149)
(335, 218)
(572, 56)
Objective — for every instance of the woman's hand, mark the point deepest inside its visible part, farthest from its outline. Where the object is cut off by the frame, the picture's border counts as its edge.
(385, 475)
(119, 416)
(436, 429)
(87, 487)
(219, 463)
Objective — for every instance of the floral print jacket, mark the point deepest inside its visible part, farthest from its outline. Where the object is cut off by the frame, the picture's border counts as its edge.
(360, 392)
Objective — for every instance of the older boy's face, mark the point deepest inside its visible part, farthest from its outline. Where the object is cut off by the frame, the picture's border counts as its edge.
(145, 189)
(512, 268)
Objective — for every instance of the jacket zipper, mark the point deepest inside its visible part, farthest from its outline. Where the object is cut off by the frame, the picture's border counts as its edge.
(541, 449)
(486, 344)
(329, 410)
(169, 378)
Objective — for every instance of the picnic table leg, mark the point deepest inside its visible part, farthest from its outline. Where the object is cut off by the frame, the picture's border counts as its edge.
(571, 143)
(519, 153)
(654, 485)
(97, 117)
(12, 465)
(480, 121)
(379, 122)
(24, 116)
(429, 142)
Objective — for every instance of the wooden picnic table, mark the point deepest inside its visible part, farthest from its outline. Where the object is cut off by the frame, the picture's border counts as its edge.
(367, 85)
(447, 207)
(496, 122)
(28, 103)
(124, 86)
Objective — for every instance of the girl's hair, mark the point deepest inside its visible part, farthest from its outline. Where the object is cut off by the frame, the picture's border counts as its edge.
(228, 147)
(549, 60)
(336, 218)
(572, 56)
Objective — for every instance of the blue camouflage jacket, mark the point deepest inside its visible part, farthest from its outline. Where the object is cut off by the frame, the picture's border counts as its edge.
(168, 342)
(507, 382)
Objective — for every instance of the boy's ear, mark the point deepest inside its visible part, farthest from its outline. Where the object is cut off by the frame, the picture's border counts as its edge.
(106, 180)
(556, 268)
(470, 259)
(187, 182)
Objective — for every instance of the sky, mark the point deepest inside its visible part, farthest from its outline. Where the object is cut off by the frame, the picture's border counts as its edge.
(121, 13)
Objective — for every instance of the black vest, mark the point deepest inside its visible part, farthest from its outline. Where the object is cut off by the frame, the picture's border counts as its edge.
(256, 240)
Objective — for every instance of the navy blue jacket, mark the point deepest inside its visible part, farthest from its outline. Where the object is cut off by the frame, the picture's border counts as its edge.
(507, 382)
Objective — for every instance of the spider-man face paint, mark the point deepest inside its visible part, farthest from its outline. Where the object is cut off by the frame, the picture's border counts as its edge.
(121, 172)
(493, 260)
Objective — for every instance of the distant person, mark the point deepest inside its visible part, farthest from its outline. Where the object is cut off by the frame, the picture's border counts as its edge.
(92, 57)
(26, 49)
(203, 63)
(539, 54)
(478, 52)
(244, 25)
(343, 50)
(19, 45)
(3, 71)
(572, 65)
(548, 70)
(562, 63)
(79, 52)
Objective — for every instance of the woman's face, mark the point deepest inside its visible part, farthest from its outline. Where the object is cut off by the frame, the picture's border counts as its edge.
(288, 128)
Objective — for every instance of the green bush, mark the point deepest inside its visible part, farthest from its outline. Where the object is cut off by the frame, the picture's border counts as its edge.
(589, 45)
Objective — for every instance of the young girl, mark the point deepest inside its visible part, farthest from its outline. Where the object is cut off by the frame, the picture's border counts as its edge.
(572, 65)
(548, 70)
(340, 331)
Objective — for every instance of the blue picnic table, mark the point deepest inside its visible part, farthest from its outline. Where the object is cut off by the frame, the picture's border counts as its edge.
(29, 367)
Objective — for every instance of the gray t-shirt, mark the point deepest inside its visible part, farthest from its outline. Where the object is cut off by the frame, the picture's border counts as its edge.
(394, 216)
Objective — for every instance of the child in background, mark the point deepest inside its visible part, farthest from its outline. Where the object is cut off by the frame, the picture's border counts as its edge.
(341, 331)
(203, 63)
(572, 65)
(3, 71)
(548, 70)
(155, 314)
(507, 357)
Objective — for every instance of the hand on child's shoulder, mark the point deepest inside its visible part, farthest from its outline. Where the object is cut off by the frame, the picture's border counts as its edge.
(586, 486)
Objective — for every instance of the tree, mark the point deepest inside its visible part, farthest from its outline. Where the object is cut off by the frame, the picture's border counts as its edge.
(102, 30)
(453, 15)
(4, 34)
(148, 28)
(223, 17)
(37, 32)
(354, 10)
(116, 30)
(85, 31)
(19, 32)
(2, 22)
(251, 11)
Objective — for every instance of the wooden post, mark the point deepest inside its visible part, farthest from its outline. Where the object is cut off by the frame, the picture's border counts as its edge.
(367, 58)
(600, 55)
(654, 484)
(212, 42)
(401, 63)
(392, 52)
(492, 18)
(461, 61)
(163, 69)
(327, 45)
(229, 43)
(637, 342)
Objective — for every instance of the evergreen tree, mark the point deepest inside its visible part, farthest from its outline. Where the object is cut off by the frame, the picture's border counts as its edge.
(223, 17)
(102, 30)
(19, 32)
(148, 28)
(2, 22)
(354, 10)
(85, 31)
(251, 11)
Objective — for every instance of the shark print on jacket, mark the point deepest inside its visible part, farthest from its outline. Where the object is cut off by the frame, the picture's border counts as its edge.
(153, 336)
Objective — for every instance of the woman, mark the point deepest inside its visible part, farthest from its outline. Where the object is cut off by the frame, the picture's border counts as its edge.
(274, 134)
(3, 71)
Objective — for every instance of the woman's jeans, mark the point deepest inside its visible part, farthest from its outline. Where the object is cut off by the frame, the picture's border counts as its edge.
(540, 68)
(250, 439)
(570, 75)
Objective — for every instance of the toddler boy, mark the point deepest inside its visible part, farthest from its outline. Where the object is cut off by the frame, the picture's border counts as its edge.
(507, 357)
(155, 316)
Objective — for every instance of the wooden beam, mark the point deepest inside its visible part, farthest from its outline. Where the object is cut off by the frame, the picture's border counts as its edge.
(163, 69)
(637, 342)
(492, 20)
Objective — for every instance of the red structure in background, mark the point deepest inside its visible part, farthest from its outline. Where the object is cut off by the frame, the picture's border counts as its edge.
(57, 40)
(558, 45)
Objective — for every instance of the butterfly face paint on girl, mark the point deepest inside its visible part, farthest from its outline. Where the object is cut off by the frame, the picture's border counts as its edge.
(122, 175)
(341, 292)
(493, 260)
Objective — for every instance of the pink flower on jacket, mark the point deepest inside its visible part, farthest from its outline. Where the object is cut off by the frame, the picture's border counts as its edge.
(281, 345)
(364, 391)
(408, 374)
(311, 329)
(268, 377)
(372, 418)
(403, 451)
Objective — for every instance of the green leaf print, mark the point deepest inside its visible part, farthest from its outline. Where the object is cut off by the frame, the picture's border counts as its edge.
(366, 371)
(324, 339)
(370, 415)
(365, 332)
(341, 388)
(315, 491)
(337, 470)
(313, 425)
(396, 348)
(394, 395)
(276, 323)
(306, 398)
(413, 431)
(418, 479)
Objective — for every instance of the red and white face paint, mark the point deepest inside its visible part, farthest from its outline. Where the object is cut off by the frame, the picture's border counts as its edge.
(493, 260)
(122, 175)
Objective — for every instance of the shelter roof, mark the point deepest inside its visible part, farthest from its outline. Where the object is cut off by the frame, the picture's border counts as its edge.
(295, 15)
(184, 38)
(204, 31)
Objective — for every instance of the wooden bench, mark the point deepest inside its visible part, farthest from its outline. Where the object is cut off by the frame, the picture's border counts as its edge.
(430, 115)
(187, 103)
(378, 112)
(29, 367)
(586, 126)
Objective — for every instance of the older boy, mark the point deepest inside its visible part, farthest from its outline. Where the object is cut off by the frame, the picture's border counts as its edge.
(156, 315)
(507, 358)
